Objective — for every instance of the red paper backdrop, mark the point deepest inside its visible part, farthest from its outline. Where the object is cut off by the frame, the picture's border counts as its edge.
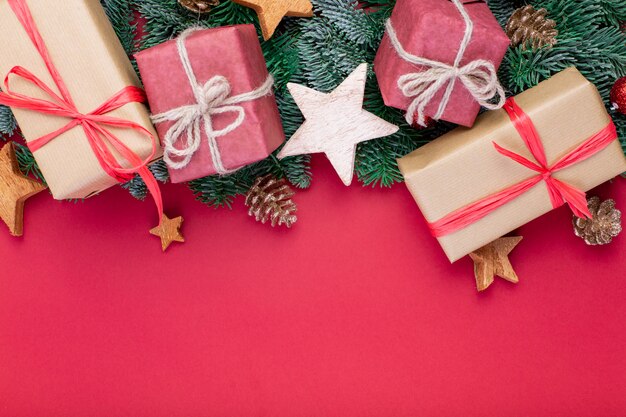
(354, 312)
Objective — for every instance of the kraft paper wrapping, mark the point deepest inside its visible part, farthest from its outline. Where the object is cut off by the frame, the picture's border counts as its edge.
(242, 63)
(93, 64)
(463, 166)
(434, 29)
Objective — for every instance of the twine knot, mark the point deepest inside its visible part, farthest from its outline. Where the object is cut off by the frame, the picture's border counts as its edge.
(212, 98)
(214, 92)
(479, 77)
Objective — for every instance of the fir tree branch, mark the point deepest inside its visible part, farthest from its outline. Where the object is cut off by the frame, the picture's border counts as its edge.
(120, 13)
(320, 52)
(8, 125)
(589, 38)
(26, 162)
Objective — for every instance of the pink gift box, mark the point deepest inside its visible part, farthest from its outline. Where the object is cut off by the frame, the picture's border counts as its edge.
(434, 29)
(235, 53)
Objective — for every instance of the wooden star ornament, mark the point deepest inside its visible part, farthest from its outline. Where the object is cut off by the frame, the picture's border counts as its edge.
(15, 189)
(492, 260)
(271, 12)
(169, 231)
(335, 123)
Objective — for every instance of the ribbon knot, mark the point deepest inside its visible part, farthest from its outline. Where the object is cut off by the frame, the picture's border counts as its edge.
(546, 175)
(479, 77)
(212, 98)
(559, 192)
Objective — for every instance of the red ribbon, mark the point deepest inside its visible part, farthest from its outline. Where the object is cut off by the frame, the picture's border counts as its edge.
(99, 138)
(559, 191)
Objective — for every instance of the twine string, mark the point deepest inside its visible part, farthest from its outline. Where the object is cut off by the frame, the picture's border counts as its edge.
(184, 137)
(479, 76)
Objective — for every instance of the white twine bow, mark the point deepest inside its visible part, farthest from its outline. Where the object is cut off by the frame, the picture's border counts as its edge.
(212, 98)
(479, 76)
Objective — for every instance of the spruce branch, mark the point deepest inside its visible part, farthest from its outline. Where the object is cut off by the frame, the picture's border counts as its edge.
(26, 162)
(8, 125)
(120, 13)
(589, 38)
(322, 51)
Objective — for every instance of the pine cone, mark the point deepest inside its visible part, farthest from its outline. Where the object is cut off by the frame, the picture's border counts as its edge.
(198, 6)
(270, 199)
(529, 26)
(605, 224)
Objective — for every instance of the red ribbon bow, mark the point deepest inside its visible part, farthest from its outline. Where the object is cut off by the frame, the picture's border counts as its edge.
(99, 138)
(559, 191)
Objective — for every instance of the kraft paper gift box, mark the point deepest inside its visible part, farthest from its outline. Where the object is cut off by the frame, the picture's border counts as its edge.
(93, 64)
(463, 166)
(434, 29)
(233, 52)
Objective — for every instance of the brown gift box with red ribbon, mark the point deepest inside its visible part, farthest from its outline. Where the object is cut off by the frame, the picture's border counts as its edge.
(94, 66)
(463, 167)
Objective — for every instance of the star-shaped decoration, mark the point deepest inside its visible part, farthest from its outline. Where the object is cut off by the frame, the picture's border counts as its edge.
(492, 260)
(15, 189)
(335, 123)
(271, 12)
(169, 231)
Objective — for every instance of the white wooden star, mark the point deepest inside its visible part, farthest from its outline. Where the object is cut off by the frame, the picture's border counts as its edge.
(335, 123)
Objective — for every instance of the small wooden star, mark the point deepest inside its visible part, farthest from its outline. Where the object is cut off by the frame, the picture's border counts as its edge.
(492, 260)
(335, 123)
(15, 189)
(169, 231)
(271, 12)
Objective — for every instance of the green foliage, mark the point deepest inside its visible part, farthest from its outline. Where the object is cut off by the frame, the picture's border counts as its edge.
(137, 188)
(7, 123)
(165, 19)
(220, 191)
(320, 52)
(120, 13)
(589, 38)
(26, 161)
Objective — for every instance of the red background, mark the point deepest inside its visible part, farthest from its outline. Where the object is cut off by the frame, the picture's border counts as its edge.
(353, 312)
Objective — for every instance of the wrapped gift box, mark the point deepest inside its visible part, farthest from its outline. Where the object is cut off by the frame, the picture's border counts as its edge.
(463, 166)
(94, 65)
(233, 52)
(434, 29)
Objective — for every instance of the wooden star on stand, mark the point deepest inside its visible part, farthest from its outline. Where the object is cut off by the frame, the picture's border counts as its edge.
(15, 189)
(335, 123)
(492, 260)
(271, 12)
(169, 231)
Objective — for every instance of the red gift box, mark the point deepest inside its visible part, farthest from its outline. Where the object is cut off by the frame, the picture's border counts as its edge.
(434, 29)
(232, 53)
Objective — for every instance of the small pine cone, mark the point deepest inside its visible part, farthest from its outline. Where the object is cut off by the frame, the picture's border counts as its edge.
(529, 26)
(605, 224)
(199, 6)
(269, 199)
